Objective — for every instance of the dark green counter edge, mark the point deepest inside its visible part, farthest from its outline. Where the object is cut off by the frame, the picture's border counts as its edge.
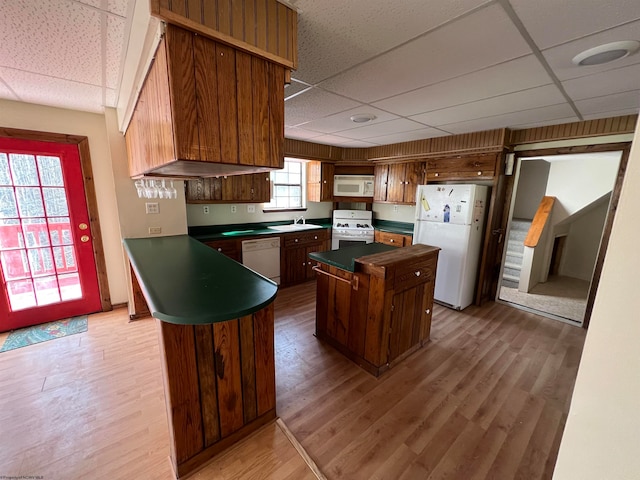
(345, 257)
(221, 232)
(185, 282)
(393, 227)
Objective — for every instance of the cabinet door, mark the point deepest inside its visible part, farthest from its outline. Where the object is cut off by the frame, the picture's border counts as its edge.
(230, 248)
(413, 176)
(389, 238)
(204, 190)
(320, 181)
(396, 180)
(381, 177)
(326, 182)
(295, 265)
(406, 321)
(261, 188)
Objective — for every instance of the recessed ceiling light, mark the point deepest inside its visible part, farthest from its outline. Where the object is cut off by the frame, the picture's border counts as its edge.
(362, 117)
(606, 53)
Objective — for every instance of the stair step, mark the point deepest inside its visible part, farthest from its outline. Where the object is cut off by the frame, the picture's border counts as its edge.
(511, 253)
(511, 278)
(513, 266)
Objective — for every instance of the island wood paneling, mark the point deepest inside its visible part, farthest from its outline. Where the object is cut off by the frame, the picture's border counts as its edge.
(219, 384)
(566, 131)
(266, 28)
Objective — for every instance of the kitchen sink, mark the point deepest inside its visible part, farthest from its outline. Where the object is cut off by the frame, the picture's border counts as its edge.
(294, 227)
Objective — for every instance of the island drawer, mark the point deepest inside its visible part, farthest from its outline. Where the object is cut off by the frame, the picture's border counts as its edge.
(411, 274)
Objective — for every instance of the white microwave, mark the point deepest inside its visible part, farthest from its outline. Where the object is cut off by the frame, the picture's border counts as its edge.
(353, 185)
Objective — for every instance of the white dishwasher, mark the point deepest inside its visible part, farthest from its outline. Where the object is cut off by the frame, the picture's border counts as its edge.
(263, 256)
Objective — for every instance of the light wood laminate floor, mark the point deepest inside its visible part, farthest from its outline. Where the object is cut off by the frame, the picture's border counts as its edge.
(487, 398)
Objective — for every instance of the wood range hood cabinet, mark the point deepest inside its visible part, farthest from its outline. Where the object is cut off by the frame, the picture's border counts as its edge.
(207, 109)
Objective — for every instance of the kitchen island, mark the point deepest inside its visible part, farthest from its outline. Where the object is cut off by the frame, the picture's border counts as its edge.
(216, 334)
(374, 301)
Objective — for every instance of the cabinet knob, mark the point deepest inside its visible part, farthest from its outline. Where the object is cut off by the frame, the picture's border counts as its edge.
(324, 181)
(417, 272)
(391, 240)
(304, 263)
(427, 311)
(479, 173)
(219, 249)
(315, 237)
(436, 174)
(296, 240)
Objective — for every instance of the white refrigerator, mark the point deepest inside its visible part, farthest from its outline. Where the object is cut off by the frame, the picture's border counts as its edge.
(452, 217)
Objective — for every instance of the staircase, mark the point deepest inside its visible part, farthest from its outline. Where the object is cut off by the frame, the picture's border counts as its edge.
(515, 251)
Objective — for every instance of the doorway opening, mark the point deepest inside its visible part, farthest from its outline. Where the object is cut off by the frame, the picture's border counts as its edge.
(559, 221)
(48, 267)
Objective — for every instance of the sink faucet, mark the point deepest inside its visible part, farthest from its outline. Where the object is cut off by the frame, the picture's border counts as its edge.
(299, 219)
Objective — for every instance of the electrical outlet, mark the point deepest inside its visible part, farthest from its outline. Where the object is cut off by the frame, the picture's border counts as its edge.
(205, 209)
(395, 209)
(251, 209)
(234, 209)
(155, 230)
(152, 207)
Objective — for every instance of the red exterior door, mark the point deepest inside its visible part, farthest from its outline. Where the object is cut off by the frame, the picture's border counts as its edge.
(47, 265)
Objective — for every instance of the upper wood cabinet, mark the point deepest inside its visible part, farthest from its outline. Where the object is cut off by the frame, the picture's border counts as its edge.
(320, 181)
(207, 109)
(247, 188)
(397, 182)
(462, 168)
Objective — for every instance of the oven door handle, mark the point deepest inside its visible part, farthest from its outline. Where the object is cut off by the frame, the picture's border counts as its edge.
(353, 282)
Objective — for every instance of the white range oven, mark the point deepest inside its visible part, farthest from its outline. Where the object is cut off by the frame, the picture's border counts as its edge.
(351, 227)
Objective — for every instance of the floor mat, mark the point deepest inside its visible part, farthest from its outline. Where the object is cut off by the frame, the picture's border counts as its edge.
(42, 333)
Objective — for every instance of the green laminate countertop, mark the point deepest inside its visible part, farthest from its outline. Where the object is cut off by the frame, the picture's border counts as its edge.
(394, 227)
(186, 282)
(345, 258)
(206, 233)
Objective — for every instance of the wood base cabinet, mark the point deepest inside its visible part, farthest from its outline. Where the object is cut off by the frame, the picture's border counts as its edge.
(219, 382)
(380, 313)
(296, 267)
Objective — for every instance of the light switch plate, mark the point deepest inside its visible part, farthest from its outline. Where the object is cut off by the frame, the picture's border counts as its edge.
(152, 207)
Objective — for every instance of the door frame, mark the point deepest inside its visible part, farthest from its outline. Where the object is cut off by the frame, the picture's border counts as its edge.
(623, 147)
(82, 142)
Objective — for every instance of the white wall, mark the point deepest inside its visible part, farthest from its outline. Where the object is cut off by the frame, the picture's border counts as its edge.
(56, 120)
(583, 242)
(220, 214)
(580, 181)
(532, 184)
(386, 211)
(600, 440)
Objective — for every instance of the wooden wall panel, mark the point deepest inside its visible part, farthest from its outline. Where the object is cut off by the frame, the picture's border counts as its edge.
(265, 28)
(207, 377)
(311, 151)
(247, 354)
(566, 131)
(265, 365)
(228, 375)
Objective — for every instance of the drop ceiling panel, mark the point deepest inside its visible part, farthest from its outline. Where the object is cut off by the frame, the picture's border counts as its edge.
(341, 141)
(407, 136)
(53, 92)
(559, 58)
(6, 92)
(342, 121)
(300, 133)
(552, 22)
(555, 121)
(609, 103)
(294, 88)
(519, 74)
(335, 35)
(486, 37)
(535, 115)
(52, 38)
(118, 7)
(372, 131)
(512, 102)
(315, 103)
(605, 83)
(616, 113)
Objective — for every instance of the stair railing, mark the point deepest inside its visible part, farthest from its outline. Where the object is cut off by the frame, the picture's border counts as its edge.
(539, 222)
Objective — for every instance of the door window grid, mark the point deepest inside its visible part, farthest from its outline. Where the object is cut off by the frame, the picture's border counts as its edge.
(34, 276)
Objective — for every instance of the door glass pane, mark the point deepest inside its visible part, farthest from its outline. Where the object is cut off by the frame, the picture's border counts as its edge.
(21, 294)
(50, 171)
(14, 264)
(70, 286)
(8, 207)
(5, 178)
(30, 202)
(46, 290)
(35, 232)
(41, 261)
(10, 234)
(23, 169)
(55, 201)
